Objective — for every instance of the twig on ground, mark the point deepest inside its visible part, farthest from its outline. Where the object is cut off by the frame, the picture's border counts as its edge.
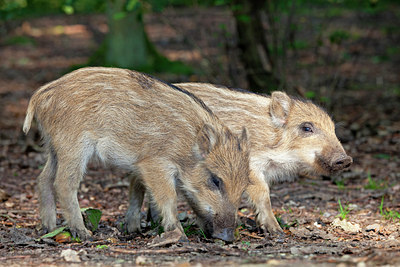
(157, 251)
(253, 235)
(17, 211)
(8, 217)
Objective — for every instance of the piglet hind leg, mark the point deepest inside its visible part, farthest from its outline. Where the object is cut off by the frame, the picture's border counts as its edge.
(258, 193)
(47, 202)
(136, 195)
(159, 178)
(66, 184)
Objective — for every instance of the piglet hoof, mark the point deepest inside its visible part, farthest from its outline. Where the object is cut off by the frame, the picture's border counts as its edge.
(168, 238)
(274, 232)
(131, 228)
(280, 235)
(42, 230)
(82, 234)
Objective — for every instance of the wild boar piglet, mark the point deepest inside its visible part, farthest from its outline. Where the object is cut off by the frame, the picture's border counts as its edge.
(165, 135)
(287, 136)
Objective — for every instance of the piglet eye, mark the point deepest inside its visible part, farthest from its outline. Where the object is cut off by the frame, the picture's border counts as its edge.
(215, 181)
(307, 127)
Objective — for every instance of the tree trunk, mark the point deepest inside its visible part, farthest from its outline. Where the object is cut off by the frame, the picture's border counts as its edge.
(253, 44)
(127, 45)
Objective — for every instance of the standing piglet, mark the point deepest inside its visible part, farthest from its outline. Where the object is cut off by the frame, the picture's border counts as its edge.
(163, 134)
(288, 136)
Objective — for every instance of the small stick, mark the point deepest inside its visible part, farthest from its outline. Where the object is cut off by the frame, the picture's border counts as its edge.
(154, 251)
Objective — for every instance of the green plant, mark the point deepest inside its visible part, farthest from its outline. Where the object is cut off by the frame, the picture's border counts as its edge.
(392, 215)
(396, 90)
(122, 228)
(337, 37)
(157, 225)
(20, 40)
(381, 206)
(379, 59)
(53, 233)
(298, 45)
(343, 211)
(288, 210)
(91, 218)
(374, 185)
(60, 231)
(189, 231)
(285, 225)
(202, 233)
(246, 245)
(392, 51)
(310, 94)
(382, 156)
(340, 184)
(387, 213)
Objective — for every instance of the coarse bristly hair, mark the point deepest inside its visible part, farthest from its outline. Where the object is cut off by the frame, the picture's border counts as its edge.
(133, 121)
(288, 136)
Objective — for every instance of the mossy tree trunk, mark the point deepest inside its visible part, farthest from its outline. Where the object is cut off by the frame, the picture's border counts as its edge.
(127, 44)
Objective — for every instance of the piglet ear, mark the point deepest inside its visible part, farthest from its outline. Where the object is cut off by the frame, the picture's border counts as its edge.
(279, 108)
(244, 140)
(207, 138)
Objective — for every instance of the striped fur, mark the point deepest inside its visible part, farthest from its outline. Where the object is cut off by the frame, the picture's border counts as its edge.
(280, 148)
(164, 134)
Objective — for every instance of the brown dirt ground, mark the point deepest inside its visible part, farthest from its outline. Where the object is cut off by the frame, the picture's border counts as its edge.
(370, 131)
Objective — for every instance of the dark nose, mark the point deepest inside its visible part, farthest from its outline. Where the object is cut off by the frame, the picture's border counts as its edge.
(225, 234)
(342, 163)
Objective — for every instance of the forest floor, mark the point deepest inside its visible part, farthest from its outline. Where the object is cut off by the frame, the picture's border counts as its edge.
(40, 50)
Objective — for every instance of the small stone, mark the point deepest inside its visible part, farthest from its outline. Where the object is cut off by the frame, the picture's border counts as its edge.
(353, 207)
(295, 251)
(373, 227)
(392, 228)
(293, 204)
(393, 236)
(344, 258)
(326, 214)
(84, 188)
(355, 127)
(140, 260)
(70, 255)
(219, 242)
(396, 187)
(274, 262)
(9, 204)
(316, 224)
(346, 225)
